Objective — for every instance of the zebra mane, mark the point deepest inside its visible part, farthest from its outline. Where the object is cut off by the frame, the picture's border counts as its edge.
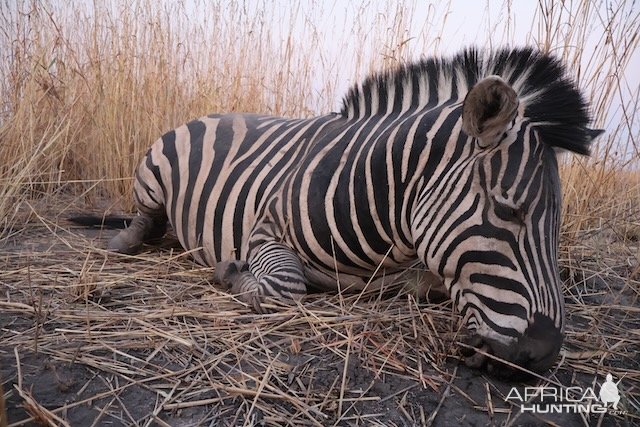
(551, 99)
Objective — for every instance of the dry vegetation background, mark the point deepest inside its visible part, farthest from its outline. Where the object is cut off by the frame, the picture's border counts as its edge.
(84, 90)
(86, 87)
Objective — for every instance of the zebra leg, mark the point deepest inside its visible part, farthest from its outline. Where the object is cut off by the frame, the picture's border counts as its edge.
(235, 275)
(274, 271)
(143, 228)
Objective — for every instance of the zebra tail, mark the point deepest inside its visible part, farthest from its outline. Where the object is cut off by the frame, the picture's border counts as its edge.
(102, 221)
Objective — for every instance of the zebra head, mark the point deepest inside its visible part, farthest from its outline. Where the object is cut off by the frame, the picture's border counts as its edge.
(495, 244)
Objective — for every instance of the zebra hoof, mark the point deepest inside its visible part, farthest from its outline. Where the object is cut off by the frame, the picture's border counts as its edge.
(252, 297)
(254, 301)
(123, 245)
(235, 275)
(227, 271)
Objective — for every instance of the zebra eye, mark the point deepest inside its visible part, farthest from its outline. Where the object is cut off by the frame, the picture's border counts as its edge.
(508, 213)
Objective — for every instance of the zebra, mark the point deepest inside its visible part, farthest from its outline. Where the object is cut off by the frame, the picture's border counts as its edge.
(448, 162)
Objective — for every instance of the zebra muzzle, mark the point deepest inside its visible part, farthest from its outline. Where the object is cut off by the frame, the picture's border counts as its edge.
(535, 351)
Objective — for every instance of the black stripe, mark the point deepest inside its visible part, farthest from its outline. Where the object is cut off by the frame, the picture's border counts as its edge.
(169, 151)
(499, 282)
(502, 307)
(500, 329)
(196, 134)
(488, 257)
(145, 186)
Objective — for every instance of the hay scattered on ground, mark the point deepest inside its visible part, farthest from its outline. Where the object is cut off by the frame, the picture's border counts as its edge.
(154, 322)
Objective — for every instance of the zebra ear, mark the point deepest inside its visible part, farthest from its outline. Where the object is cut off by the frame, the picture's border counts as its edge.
(488, 109)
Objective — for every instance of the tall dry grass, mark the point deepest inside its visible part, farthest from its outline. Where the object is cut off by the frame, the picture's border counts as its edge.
(601, 191)
(86, 88)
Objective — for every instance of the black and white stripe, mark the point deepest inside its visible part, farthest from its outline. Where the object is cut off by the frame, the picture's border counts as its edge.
(399, 176)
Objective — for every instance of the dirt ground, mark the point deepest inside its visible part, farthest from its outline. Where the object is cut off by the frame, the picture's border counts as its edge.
(90, 339)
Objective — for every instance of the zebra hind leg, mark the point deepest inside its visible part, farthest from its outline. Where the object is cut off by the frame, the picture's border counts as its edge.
(275, 271)
(143, 229)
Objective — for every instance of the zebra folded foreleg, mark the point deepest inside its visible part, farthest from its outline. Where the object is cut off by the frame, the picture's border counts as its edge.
(274, 271)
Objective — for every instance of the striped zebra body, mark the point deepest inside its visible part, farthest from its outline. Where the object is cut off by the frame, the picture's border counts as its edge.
(448, 163)
(221, 171)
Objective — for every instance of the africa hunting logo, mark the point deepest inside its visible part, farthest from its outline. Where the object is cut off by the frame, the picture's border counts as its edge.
(550, 399)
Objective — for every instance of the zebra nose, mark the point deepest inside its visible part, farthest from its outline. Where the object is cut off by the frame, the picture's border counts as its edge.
(540, 344)
(536, 350)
